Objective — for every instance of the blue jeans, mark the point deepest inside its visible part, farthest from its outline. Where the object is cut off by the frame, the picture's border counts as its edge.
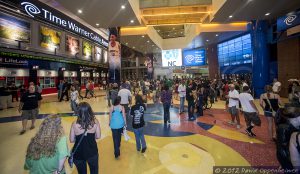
(139, 138)
(181, 108)
(166, 112)
(74, 106)
(191, 107)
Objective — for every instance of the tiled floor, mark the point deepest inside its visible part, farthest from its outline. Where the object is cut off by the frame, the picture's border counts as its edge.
(183, 147)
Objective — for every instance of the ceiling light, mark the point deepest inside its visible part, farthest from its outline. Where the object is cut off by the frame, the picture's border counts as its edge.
(217, 35)
(123, 7)
(133, 47)
(173, 28)
(207, 40)
(230, 16)
(148, 41)
(143, 36)
(168, 35)
(79, 11)
(126, 43)
(153, 45)
(181, 32)
(131, 21)
(18, 11)
(267, 14)
(97, 24)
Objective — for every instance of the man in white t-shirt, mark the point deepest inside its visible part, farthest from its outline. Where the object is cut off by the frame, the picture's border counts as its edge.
(182, 94)
(233, 104)
(250, 111)
(125, 95)
(276, 86)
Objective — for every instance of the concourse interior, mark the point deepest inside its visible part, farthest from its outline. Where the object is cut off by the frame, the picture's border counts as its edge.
(223, 60)
(183, 146)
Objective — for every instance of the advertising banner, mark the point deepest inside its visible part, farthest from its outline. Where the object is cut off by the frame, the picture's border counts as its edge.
(39, 10)
(171, 58)
(149, 65)
(98, 54)
(49, 38)
(87, 50)
(114, 55)
(13, 29)
(194, 57)
(72, 45)
(288, 21)
(105, 57)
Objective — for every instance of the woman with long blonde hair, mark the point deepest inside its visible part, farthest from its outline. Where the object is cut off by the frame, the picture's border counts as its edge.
(47, 150)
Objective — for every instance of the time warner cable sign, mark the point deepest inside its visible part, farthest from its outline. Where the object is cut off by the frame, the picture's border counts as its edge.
(194, 57)
(39, 10)
(171, 58)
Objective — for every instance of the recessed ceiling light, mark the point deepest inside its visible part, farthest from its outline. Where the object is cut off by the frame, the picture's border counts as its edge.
(230, 16)
(126, 43)
(181, 32)
(148, 41)
(153, 45)
(267, 14)
(97, 24)
(18, 11)
(131, 21)
(207, 40)
(217, 35)
(173, 28)
(123, 7)
(79, 11)
(168, 35)
(143, 36)
(133, 47)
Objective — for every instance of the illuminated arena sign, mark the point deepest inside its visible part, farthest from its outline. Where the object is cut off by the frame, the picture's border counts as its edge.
(41, 11)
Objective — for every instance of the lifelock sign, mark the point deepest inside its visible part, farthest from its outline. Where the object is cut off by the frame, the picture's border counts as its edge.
(171, 57)
(40, 10)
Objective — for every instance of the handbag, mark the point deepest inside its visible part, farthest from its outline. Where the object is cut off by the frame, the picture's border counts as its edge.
(71, 157)
(273, 112)
(125, 134)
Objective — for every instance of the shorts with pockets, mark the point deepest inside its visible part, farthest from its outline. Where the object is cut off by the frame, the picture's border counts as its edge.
(29, 114)
(252, 117)
(233, 110)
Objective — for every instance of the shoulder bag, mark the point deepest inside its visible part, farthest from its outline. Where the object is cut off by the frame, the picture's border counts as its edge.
(71, 157)
(273, 112)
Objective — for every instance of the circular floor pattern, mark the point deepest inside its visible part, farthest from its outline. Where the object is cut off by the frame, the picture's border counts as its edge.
(182, 158)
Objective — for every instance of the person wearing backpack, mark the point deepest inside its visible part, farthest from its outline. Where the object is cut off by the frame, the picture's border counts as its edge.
(117, 121)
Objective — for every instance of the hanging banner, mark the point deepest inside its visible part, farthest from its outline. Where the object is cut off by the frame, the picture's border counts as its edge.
(114, 55)
(149, 65)
(288, 21)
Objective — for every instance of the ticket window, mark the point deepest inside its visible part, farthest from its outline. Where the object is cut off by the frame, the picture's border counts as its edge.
(19, 81)
(47, 82)
(2, 81)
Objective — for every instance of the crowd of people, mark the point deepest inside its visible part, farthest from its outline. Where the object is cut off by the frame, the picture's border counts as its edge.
(48, 150)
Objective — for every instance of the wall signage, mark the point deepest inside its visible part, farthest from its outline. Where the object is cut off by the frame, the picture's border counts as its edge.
(194, 57)
(171, 58)
(288, 21)
(36, 9)
(12, 61)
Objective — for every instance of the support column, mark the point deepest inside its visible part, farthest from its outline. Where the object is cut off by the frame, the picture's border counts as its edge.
(261, 57)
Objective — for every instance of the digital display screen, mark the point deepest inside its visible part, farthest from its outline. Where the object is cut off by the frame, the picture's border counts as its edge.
(194, 57)
(171, 58)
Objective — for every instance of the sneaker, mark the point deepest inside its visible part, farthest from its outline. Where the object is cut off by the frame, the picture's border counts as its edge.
(144, 150)
(238, 126)
(230, 122)
(22, 132)
(249, 133)
(253, 135)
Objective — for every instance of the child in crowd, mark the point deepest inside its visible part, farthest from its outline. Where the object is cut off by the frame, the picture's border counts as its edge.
(137, 112)
(74, 99)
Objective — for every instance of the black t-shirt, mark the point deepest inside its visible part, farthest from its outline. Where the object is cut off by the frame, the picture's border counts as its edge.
(30, 100)
(189, 98)
(137, 111)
